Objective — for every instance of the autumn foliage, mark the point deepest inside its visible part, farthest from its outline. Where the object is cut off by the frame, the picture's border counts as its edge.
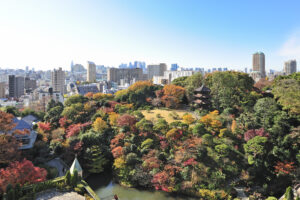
(284, 167)
(126, 120)
(21, 172)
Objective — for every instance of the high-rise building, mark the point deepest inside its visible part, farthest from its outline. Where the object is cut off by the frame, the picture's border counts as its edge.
(126, 74)
(15, 86)
(174, 67)
(156, 70)
(58, 80)
(290, 67)
(91, 72)
(258, 61)
(30, 84)
(2, 90)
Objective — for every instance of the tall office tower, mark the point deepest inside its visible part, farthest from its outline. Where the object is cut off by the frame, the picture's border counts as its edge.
(30, 84)
(126, 74)
(15, 86)
(156, 70)
(174, 67)
(290, 67)
(91, 72)
(246, 70)
(72, 64)
(58, 80)
(2, 90)
(258, 61)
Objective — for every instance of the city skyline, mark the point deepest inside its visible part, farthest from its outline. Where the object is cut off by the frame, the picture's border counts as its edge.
(50, 34)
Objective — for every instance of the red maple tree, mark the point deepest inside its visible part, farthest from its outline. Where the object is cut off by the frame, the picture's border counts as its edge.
(21, 172)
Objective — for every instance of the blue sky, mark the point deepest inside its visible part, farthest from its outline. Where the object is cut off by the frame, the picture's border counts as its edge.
(213, 33)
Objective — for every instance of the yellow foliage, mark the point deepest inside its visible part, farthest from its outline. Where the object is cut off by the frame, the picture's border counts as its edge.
(188, 119)
(129, 105)
(66, 143)
(88, 107)
(211, 120)
(207, 194)
(233, 126)
(113, 117)
(212, 194)
(140, 85)
(99, 96)
(121, 93)
(222, 132)
(119, 163)
(171, 133)
(99, 125)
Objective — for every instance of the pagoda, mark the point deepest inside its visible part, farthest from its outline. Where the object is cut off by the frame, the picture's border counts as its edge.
(202, 97)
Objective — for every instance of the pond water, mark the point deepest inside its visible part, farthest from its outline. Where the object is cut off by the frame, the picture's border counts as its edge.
(105, 188)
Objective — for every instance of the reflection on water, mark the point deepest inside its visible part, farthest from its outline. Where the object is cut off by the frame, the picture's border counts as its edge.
(104, 187)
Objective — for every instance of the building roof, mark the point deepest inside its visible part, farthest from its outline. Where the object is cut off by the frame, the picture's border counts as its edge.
(83, 89)
(76, 166)
(20, 124)
(29, 119)
(202, 89)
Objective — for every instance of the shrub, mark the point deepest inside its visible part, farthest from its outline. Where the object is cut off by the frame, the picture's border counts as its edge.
(74, 178)
(289, 195)
(68, 178)
(271, 198)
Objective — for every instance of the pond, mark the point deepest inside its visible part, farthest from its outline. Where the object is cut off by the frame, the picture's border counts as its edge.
(105, 188)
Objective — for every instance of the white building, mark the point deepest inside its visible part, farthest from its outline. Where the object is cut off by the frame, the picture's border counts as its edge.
(169, 76)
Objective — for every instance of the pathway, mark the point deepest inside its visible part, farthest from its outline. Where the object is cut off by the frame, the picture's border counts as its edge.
(240, 193)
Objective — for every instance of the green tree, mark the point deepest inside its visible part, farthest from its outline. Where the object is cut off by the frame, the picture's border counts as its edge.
(53, 115)
(229, 89)
(181, 81)
(68, 178)
(145, 125)
(193, 82)
(161, 126)
(75, 99)
(265, 116)
(255, 148)
(96, 159)
(287, 91)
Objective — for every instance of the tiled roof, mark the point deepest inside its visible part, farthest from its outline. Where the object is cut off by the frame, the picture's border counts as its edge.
(21, 124)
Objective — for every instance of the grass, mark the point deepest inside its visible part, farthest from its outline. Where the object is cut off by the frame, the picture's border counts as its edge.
(165, 114)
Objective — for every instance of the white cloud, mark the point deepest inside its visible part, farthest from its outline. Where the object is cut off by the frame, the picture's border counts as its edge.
(291, 47)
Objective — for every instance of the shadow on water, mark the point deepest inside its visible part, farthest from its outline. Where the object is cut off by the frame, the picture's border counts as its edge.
(105, 188)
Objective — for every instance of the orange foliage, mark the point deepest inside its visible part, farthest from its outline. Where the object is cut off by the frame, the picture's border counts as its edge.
(286, 167)
(89, 95)
(6, 121)
(174, 90)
